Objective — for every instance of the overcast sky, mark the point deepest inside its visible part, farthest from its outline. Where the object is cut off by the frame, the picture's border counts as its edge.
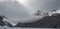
(22, 10)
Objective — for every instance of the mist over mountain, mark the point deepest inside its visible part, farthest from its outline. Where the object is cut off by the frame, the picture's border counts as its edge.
(16, 12)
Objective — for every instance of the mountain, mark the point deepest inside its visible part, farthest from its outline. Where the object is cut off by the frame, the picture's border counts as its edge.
(52, 21)
(3, 23)
(46, 22)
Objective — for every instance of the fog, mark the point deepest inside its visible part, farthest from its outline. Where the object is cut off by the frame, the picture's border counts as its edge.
(16, 12)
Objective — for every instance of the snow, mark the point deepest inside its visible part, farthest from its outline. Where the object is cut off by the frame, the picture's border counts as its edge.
(5, 27)
(53, 12)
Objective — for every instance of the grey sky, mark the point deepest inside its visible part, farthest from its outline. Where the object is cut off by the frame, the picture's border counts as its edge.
(45, 4)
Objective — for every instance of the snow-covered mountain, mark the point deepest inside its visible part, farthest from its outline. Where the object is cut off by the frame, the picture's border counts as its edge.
(54, 12)
(36, 17)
